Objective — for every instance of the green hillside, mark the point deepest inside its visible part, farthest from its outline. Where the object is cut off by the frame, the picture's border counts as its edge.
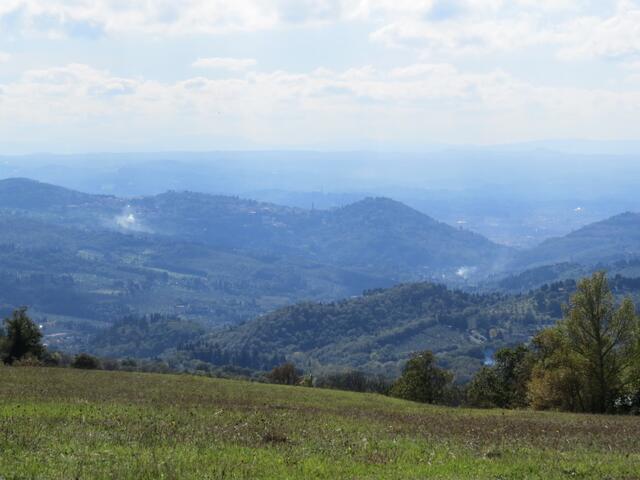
(60, 424)
(378, 331)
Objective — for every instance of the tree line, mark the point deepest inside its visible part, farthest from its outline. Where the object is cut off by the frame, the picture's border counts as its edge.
(589, 362)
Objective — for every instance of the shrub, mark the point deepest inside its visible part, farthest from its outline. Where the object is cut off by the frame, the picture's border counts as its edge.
(503, 385)
(285, 374)
(354, 381)
(27, 361)
(86, 362)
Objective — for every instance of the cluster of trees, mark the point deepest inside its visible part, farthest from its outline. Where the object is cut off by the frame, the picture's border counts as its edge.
(21, 345)
(20, 339)
(589, 362)
(375, 331)
(145, 336)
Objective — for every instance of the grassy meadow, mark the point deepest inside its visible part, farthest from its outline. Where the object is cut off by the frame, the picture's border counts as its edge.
(72, 424)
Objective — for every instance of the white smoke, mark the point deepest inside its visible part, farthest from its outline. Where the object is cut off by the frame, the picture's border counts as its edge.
(465, 272)
(128, 220)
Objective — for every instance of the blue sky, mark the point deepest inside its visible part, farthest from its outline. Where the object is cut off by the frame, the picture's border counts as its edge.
(129, 75)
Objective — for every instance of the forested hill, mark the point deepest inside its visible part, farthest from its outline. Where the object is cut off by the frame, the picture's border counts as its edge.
(375, 235)
(82, 261)
(25, 194)
(388, 233)
(378, 331)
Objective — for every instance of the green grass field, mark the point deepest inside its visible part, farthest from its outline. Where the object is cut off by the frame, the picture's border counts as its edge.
(68, 424)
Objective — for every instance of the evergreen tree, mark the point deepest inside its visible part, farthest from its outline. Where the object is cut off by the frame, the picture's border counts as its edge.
(603, 339)
(23, 337)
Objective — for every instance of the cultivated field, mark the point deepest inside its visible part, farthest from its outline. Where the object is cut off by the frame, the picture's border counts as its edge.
(63, 424)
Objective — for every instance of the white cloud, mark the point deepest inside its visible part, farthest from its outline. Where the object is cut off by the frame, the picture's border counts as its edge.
(459, 37)
(616, 37)
(489, 27)
(95, 17)
(413, 104)
(463, 78)
(233, 64)
(575, 28)
(4, 57)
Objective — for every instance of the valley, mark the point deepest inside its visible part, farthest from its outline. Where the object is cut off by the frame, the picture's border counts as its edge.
(235, 272)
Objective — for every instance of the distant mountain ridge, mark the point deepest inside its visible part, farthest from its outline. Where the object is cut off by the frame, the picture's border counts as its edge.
(375, 235)
(616, 238)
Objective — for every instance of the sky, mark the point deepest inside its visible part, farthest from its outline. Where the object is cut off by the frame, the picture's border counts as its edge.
(156, 75)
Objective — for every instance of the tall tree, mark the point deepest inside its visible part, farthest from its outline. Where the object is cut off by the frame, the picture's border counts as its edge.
(503, 385)
(23, 337)
(556, 381)
(603, 339)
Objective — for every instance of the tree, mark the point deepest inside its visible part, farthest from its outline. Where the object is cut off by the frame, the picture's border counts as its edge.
(285, 374)
(603, 339)
(633, 373)
(23, 337)
(422, 380)
(503, 385)
(556, 383)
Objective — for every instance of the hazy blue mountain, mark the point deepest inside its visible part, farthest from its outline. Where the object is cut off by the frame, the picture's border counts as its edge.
(614, 239)
(517, 195)
(84, 260)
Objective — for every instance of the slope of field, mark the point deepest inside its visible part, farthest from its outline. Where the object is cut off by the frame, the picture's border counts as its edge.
(60, 424)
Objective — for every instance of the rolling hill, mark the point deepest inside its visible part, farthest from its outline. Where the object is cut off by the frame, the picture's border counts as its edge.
(82, 261)
(378, 331)
(375, 235)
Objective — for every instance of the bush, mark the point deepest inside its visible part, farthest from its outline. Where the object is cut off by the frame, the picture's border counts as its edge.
(354, 381)
(285, 374)
(86, 362)
(52, 359)
(27, 361)
(110, 364)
